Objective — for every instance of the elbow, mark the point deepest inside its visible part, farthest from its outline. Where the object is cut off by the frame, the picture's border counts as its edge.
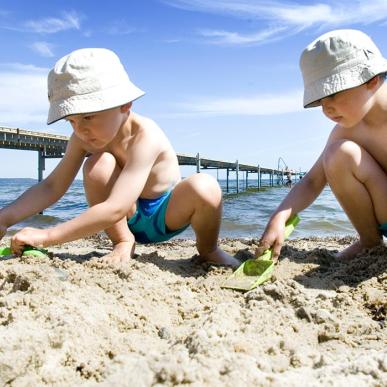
(313, 184)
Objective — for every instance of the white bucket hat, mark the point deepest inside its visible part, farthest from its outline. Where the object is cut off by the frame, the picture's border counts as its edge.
(336, 61)
(88, 80)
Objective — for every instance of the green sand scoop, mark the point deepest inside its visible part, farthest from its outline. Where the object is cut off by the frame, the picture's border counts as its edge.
(254, 272)
(27, 252)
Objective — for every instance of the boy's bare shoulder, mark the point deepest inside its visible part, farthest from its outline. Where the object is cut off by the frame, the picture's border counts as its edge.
(341, 133)
(145, 123)
(149, 134)
(335, 134)
(148, 131)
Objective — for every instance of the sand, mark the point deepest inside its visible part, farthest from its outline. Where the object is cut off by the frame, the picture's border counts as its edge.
(162, 319)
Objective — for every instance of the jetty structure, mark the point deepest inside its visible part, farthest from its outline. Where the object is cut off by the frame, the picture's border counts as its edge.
(50, 145)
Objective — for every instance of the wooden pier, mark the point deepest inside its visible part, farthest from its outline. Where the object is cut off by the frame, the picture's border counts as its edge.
(53, 146)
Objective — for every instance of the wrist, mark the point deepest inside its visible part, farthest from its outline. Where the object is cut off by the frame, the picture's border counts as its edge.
(6, 219)
(280, 217)
(51, 237)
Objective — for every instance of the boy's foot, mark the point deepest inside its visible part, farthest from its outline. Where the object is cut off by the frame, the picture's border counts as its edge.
(219, 257)
(350, 252)
(122, 252)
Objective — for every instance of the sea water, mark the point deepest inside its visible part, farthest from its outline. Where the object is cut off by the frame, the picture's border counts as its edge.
(244, 214)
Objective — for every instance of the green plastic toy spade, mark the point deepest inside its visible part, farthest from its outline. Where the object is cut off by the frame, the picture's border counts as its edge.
(254, 272)
(27, 252)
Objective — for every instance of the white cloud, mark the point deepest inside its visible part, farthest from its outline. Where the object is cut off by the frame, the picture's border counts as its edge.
(23, 97)
(255, 105)
(332, 12)
(284, 18)
(43, 49)
(172, 41)
(22, 67)
(52, 25)
(225, 37)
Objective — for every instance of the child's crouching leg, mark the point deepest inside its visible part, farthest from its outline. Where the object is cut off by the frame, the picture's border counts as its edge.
(100, 172)
(360, 186)
(198, 200)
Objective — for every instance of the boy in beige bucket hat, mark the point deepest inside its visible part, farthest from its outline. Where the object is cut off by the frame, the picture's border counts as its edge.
(344, 73)
(131, 175)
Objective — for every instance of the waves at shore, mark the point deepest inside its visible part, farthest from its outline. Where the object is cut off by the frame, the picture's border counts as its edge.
(244, 215)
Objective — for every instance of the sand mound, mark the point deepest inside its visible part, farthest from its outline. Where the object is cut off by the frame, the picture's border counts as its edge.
(164, 320)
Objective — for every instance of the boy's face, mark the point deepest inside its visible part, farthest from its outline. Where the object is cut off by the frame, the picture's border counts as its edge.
(348, 107)
(99, 128)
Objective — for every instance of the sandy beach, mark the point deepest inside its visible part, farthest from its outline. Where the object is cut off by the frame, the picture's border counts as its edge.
(162, 319)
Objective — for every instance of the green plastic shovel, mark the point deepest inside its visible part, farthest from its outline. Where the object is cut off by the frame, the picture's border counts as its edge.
(254, 272)
(28, 251)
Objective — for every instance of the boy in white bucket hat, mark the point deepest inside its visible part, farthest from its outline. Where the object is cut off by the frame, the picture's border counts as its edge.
(131, 177)
(344, 73)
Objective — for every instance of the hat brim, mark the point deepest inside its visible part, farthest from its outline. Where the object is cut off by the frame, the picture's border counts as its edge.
(342, 80)
(93, 102)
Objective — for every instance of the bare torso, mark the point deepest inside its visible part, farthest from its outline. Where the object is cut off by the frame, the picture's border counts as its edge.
(138, 131)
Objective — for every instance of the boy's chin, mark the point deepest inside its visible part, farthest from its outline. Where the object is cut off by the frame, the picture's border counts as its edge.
(96, 144)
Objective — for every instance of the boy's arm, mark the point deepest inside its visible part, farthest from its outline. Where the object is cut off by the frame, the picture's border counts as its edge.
(300, 197)
(303, 194)
(125, 192)
(48, 191)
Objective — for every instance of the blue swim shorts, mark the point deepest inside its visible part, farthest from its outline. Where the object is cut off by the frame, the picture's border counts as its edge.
(383, 229)
(148, 222)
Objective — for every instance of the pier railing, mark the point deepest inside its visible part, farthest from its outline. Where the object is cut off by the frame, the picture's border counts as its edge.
(50, 145)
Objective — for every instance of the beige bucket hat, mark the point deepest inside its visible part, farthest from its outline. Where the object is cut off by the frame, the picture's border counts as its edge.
(88, 80)
(336, 61)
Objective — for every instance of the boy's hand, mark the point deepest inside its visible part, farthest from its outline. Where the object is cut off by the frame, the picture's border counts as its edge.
(273, 237)
(28, 237)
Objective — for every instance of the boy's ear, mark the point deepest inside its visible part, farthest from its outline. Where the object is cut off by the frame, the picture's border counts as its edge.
(373, 82)
(125, 108)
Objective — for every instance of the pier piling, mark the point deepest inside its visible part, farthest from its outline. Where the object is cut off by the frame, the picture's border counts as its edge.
(237, 175)
(50, 145)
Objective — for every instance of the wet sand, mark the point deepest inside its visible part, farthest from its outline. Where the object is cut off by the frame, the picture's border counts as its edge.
(162, 319)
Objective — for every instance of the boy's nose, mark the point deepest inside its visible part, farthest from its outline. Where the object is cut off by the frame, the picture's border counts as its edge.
(79, 126)
(80, 130)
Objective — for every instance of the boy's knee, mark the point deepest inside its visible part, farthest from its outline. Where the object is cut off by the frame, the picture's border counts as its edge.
(339, 154)
(207, 188)
(98, 164)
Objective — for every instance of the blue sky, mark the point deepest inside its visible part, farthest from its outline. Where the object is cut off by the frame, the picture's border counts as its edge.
(221, 76)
